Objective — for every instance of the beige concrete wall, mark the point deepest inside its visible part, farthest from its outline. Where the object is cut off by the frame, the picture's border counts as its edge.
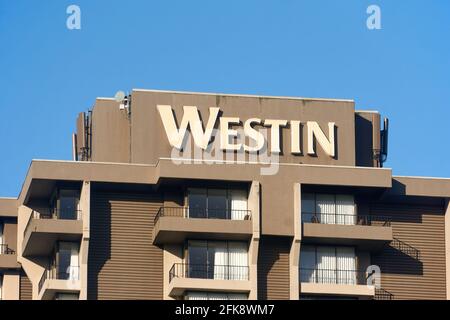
(172, 254)
(254, 198)
(294, 255)
(33, 268)
(85, 205)
(447, 247)
(149, 141)
(8, 207)
(11, 281)
(110, 132)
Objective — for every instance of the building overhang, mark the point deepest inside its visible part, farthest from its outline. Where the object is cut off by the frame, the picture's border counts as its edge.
(363, 237)
(173, 230)
(179, 286)
(8, 261)
(53, 286)
(8, 207)
(41, 235)
(343, 290)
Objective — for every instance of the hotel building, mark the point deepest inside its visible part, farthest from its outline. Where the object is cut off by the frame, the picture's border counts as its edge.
(177, 195)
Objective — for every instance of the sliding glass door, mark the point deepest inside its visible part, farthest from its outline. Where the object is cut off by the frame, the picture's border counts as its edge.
(326, 264)
(217, 204)
(198, 295)
(328, 209)
(219, 260)
(67, 261)
(2, 249)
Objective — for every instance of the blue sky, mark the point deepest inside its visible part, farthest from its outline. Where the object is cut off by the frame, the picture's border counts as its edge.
(314, 48)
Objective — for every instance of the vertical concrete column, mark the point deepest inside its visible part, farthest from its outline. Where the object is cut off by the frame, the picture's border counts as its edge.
(33, 268)
(171, 254)
(254, 206)
(85, 207)
(294, 255)
(11, 286)
(447, 247)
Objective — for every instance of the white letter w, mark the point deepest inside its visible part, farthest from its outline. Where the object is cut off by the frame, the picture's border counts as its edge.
(190, 117)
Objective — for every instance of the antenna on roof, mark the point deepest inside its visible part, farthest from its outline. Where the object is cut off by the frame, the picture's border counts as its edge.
(384, 141)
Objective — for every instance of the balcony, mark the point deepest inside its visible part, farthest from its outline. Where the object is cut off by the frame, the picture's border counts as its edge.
(193, 277)
(335, 282)
(173, 225)
(55, 280)
(45, 227)
(8, 258)
(367, 232)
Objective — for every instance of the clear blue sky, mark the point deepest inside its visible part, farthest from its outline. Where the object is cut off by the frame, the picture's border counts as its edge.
(313, 48)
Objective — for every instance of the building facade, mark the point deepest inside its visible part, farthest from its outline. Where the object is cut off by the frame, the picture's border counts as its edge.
(175, 195)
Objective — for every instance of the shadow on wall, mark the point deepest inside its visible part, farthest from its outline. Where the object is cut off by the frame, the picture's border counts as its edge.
(273, 268)
(395, 261)
(99, 243)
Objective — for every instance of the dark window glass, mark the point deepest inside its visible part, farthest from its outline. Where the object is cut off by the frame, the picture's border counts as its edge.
(63, 263)
(198, 260)
(217, 204)
(197, 203)
(68, 205)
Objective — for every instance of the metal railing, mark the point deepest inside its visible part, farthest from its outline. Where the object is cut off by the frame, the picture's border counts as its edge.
(207, 271)
(53, 214)
(55, 273)
(405, 248)
(382, 294)
(194, 213)
(346, 219)
(333, 276)
(4, 249)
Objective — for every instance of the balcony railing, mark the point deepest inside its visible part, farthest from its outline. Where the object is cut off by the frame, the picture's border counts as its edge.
(206, 271)
(333, 276)
(71, 273)
(382, 294)
(405, 248)
(54, 214)
(194, 213)
(4, 249)
(346, 219)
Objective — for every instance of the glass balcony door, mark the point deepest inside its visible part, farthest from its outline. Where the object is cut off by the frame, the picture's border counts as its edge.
(197, 295)
(328, 209)
(326, 264)
(218, 260)
(68, 205)
(67, 261)
(1, 239)
(217, 204)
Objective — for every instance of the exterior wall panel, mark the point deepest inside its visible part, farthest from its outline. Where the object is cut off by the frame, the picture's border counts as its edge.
(25, 287)
(123, 263)
(273, 268)
(423, 228)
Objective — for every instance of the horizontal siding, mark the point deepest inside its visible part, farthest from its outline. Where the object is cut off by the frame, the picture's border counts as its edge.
(25, 290)
(422, 227)
(123, 263)
(273, 268)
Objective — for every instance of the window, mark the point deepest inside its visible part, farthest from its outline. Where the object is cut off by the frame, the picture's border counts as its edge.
(324, 264)
(217, 204)
(2, 245)
(218, 260)
(328, 209)
(66, 261)
(197, 295)
(65, 204)
(66, 296)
